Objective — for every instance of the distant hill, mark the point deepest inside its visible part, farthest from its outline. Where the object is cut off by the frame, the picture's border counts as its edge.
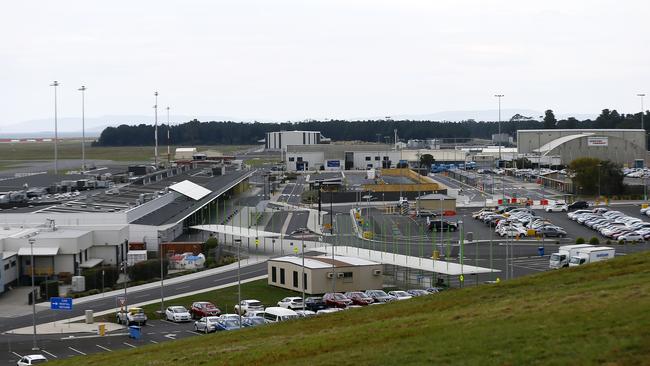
(594, 314)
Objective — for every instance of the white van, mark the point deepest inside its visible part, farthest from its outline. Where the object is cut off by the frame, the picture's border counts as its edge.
(276, 314)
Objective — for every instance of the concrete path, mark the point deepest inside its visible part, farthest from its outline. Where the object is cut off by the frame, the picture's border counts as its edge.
(64, 327)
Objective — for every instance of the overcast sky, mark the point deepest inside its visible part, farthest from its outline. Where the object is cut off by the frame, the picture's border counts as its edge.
(321, 59)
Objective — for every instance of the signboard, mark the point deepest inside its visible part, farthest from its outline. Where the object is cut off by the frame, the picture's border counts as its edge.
(121, 300)
(597, 141)
(333, 163)
(61, 303)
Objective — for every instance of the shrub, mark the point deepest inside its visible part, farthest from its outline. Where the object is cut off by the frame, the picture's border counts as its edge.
(621, 242)
(580, 240)
(94, 276)
(143, 271)
(609, 242)
(594, 241)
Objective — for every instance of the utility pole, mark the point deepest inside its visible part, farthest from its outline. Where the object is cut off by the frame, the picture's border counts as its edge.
(55, 84)
(169, 157)
(83, 128)
(155, 133)
(503, 197)
(34, 345)
(238, 242)
(641, 95)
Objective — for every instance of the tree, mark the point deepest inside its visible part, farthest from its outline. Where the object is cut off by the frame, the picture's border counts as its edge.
(427, 160)
(588, 173)
(549, 120)
(211, 246)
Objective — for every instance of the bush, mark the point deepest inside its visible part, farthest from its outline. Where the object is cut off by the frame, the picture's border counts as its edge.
(609, 242)
(580, 240)
(145, 270)
(93, 292)
(621, 242)
(594, 241)
(94, 276)
(49, 289)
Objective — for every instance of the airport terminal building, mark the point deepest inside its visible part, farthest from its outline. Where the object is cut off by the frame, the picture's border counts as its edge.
(622, 146)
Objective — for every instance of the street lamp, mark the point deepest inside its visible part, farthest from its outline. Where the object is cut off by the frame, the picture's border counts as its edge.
(34, 346)
(302, 231)
(499, 96)
(162, 275)
(155, 132)
(641, 95)
(599, 165)
(83, 128)
(238, 242)
(55, 84)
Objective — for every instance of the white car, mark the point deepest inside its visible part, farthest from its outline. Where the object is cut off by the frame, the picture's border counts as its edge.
(177, 314)
(511, 231)
(228, 316)
(246, 305)
(206, 324)
(328, 311)
(400, 295)
(631, 237)
(251, 313)
(305, 313)
(291, 303)
(558, 207)
(31, 360)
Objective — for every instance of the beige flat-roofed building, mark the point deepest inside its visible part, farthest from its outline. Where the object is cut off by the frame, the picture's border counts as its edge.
(347, 273)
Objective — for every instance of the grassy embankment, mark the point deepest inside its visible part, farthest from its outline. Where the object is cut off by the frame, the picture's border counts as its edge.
(596, 314)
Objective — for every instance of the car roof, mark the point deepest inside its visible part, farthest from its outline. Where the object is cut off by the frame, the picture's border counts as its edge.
(279, 311)
(35, 357)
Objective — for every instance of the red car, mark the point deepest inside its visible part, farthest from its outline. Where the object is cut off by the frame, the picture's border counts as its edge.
(359, 298)
(336, 300)
(202, 309)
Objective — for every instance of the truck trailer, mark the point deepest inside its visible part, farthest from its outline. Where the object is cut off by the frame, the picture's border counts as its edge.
(590, 255)
(564, 254)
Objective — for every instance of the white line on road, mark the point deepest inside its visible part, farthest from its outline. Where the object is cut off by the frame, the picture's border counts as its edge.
(129, 344)
(141, 296)
(531, 268)
(76, 350)
(193, 332)
(104, 348)
(151, 325)
(169, 321)
(152, 341)
(19, 356)
(51, 354)
(182, 287)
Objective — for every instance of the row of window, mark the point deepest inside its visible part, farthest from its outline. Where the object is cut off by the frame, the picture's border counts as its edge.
(13, 264)
(377, 158)
(274, 277)
(291, 158)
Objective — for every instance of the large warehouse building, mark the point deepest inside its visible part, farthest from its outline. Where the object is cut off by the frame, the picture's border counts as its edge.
(623, 146)
(281, 139)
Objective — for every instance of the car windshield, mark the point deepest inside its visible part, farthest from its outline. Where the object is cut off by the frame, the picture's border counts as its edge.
(378, 293)
(213, 319)
(356, 294)
(401, 293)
(314, 299)
(38, 360)
(231, 323)
(256, 320)
(339, 297)
(555, 257)
(254, 303)
(289, 317)
(574, 260)
(136, 311)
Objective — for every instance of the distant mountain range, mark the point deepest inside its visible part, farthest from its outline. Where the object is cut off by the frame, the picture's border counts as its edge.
(71, 127)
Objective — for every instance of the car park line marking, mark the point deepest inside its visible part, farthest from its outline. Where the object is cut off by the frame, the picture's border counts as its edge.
(152, 341)
(129, 344)
(169, 321)
(76, 350)
(51, 354)
(19, 356)
(182, 287)
(193, 332)
(104, 348)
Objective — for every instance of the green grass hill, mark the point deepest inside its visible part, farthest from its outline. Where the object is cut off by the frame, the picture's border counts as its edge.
(596, 314)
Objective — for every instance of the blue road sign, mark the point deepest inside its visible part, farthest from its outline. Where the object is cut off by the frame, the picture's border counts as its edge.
(61, 303)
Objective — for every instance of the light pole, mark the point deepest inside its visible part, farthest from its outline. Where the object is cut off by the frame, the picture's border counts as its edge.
(599, 180)
(31, 245)
(162, 276)
(503, 196)
(55, 84)
(155, 132)
(302, 232)
(83, 128)
(641, 95)
(238, 242)
(169, 157)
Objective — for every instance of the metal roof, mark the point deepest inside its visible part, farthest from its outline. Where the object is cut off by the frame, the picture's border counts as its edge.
(190, 189)
(548, 147)
(90, 263)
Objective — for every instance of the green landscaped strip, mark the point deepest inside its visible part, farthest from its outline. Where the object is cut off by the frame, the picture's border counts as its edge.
(595, 314)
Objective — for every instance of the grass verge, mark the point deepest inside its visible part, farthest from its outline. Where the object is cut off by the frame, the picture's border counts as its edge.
(596, 314)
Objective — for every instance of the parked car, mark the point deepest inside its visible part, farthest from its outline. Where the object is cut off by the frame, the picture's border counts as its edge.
(418, 292)
(135, 315)
(206, 324)
(229, 316)
(359, 298)
(630, 237)
(315, 303)
(278, 314)
(557, 207)
(246, 305)
(253, 313)
(305, 313)
(229, 324)
(441, 225)
(31, 360)
(200, 309)
(336, 300)
(434, 290)
(177, 314)
(252, 321)
(400, 295)
(577, 205)
(292, 303)
(551, 231)
(379, 296)
(328, 311)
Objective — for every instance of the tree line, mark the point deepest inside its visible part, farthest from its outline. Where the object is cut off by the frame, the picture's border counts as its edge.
(243, 133)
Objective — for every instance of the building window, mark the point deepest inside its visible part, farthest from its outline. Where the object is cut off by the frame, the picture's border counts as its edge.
(300, 159)
(304, 281)
(13, 263)
(282, 276)
(385, 158)
(347, 277)
(295, 278)
(6, 266)
(274, 274)
(291, 158)
(367, 158)
(377, 158)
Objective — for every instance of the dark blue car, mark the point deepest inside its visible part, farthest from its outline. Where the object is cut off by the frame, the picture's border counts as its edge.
(229, 324)
(252, 321)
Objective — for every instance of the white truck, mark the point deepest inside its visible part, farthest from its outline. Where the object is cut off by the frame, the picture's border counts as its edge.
(590, 255)
(564, 254)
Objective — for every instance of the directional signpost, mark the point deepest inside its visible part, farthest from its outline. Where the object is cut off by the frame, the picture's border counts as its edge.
(61, 303)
